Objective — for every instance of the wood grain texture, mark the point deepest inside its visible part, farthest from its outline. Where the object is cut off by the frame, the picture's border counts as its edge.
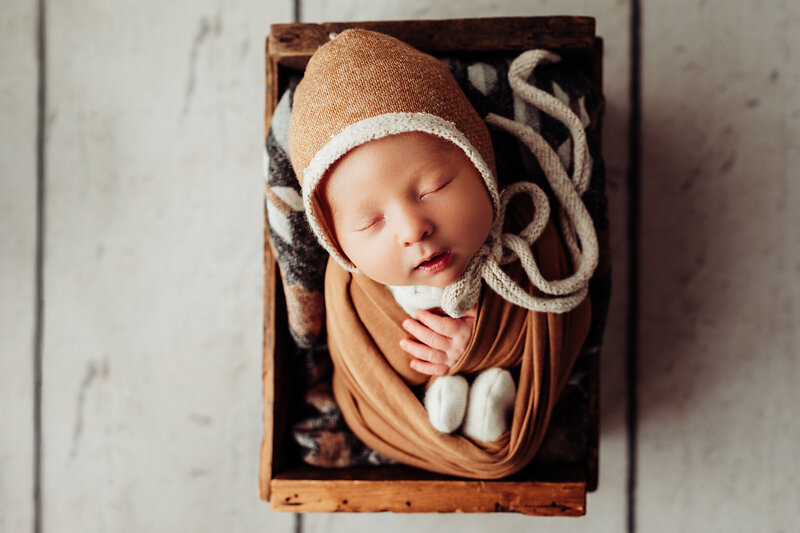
(152, 391)
(18, 109)
(562, 498)
(606, 506)
(271, 279)
(294, 43)
(719, 429)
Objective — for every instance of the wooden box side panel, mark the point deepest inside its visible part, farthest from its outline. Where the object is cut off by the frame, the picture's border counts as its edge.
(399, 496)
(268, 354)
(293, 44)
(268, 369)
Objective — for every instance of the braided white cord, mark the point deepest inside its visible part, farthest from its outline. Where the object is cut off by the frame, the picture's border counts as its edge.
(572, 208)
(502, 248)
(520, 70)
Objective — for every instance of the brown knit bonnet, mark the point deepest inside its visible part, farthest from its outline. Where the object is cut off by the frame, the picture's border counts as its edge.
(363, 86)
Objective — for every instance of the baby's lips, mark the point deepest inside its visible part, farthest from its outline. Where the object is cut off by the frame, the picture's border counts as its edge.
(432, 260)
(428, 258)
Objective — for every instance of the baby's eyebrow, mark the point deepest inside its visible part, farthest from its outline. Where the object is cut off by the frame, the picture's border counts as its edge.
(362, 205)
(354, 210)
(431, 169)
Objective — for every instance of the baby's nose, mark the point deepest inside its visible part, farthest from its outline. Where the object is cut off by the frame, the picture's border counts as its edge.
(413, 228)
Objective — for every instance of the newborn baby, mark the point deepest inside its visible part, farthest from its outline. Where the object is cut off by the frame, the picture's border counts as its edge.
(398, 180)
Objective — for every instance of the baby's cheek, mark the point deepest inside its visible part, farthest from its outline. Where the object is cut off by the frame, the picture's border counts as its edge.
(376, 260)
(481, 221)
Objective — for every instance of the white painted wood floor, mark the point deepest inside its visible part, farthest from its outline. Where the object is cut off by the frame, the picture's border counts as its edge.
(151, 279)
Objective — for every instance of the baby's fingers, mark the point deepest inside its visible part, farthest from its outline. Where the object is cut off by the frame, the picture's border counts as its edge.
(423, 352)
(430, 369)
(443, 325)
(425, 335)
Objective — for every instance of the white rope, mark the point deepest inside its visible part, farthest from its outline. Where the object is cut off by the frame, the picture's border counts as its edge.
(559, 296)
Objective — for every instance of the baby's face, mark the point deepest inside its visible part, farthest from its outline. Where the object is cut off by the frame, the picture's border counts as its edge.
(408, 209)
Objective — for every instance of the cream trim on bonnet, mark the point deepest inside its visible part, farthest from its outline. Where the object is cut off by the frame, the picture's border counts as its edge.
(378, 127)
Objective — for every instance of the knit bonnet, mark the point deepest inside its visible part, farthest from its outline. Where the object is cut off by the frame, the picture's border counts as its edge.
(362, 86)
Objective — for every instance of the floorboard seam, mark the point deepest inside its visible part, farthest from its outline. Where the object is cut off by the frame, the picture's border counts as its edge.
(41, 53)
(634, 211)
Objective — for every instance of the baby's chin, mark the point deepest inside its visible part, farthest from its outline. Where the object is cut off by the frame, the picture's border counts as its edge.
(443, 282)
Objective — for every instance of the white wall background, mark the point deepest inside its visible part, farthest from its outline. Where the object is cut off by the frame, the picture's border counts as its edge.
(150, 324)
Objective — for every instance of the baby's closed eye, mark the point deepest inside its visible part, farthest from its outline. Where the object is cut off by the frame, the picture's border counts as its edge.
(368, 223)
(436, 187)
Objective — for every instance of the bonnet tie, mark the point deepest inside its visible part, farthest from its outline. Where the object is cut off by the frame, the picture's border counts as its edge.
(561, 295)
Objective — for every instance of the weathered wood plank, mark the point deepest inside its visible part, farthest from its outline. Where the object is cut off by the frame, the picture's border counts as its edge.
(18, 109)
(152, 405)
(294, 43)
(411, 496)
(719, 429)
(606, 506)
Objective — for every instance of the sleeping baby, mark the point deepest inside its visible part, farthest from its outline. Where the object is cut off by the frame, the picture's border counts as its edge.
(437, 279)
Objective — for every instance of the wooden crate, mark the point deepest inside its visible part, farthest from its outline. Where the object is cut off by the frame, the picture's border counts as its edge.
(286, 482)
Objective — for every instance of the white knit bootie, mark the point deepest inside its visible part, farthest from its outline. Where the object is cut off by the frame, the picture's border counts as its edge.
(491, 399)
(446, 402)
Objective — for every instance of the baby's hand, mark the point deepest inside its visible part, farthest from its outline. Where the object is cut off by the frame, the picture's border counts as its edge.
(440, 340)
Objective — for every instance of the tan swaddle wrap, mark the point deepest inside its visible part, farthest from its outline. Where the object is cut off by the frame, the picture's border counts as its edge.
(372, 379)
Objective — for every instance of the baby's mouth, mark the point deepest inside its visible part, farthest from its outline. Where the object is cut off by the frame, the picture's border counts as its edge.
(435, 263)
